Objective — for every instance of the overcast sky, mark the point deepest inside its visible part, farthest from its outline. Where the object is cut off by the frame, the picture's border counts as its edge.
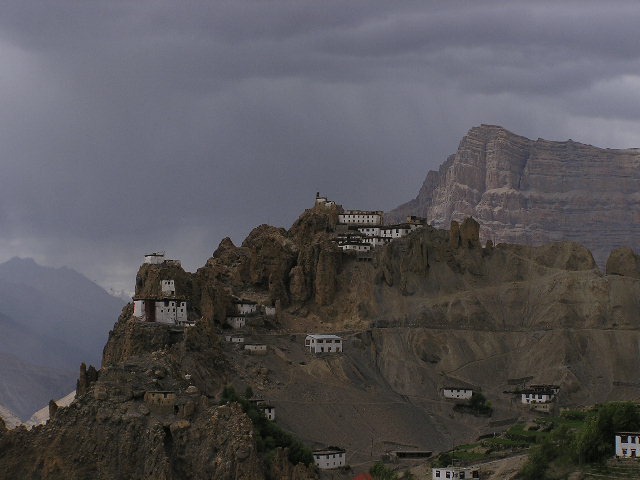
(131, 126)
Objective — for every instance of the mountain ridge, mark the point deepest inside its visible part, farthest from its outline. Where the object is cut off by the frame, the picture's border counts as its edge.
(52, 320)
(535, 191)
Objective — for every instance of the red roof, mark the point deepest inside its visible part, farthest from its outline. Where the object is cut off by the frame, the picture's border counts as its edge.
(363, 476)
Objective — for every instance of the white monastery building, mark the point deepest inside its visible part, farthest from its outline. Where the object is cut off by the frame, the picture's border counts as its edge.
(155, 258)
(158, 258)
(363, 230)
(165, 308)
(236, 322)
(628, 445)
(331, 457)
(323, 343)
(355, 247)
(245, 307)
(324, 201)
(458, 393)
(455, 472)
(361, 217)
(168, 287)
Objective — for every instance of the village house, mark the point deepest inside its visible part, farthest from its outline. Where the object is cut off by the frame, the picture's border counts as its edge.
(164, 308)
(539, 394)
(455, 472)
(269, 311)
(261, 404)
(331, 457)
(256, 348)
(160, 397)
(236, 322)
(457, 393)
(160, 401)
(234, 339)
(628, 445)
(269, 412)
(323, 343)
(245, 307)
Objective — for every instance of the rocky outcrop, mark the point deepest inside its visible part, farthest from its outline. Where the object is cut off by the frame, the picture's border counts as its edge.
(283, 469)
(535, 191)
(109, 438)
(86, 378)
(623, 261)
(150, 412)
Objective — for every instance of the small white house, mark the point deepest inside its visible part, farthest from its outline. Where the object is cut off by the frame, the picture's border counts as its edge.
(269, 412)
(455, 472)
(155, 258)
(457, 393)
(168, 287)
(628, 445)
(257, 349)
(539, 394)
(234, 339)
(331, 457)
(270, 311)
(323, 343)
(536, 397)
(236, 322)
(355, 247)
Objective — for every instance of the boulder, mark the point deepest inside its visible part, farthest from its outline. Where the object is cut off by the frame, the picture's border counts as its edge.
(623, 261)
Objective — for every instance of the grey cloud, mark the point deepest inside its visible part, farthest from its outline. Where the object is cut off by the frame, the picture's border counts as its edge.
(130, 126)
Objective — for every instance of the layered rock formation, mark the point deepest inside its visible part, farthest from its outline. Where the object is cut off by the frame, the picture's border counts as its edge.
(535, 191)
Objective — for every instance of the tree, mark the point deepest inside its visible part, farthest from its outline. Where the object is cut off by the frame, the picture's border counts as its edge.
(380, 472)
(596, 441)
(248, 393)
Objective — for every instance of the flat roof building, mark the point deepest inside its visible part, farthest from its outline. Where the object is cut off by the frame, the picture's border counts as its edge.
(317, 343)
(330, 457)
(627, 444)
(455, 472)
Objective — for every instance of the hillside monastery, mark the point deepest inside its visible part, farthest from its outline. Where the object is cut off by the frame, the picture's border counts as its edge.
(361, 231)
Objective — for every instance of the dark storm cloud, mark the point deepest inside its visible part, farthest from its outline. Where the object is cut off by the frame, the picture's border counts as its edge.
(129, 126)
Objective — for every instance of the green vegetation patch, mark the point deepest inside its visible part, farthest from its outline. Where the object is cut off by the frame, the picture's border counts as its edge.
(578, 438)
(269, 435)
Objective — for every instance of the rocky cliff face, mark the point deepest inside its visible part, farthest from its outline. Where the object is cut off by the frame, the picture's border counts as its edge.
(151, 411)
(432, 309)
(535, 191)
